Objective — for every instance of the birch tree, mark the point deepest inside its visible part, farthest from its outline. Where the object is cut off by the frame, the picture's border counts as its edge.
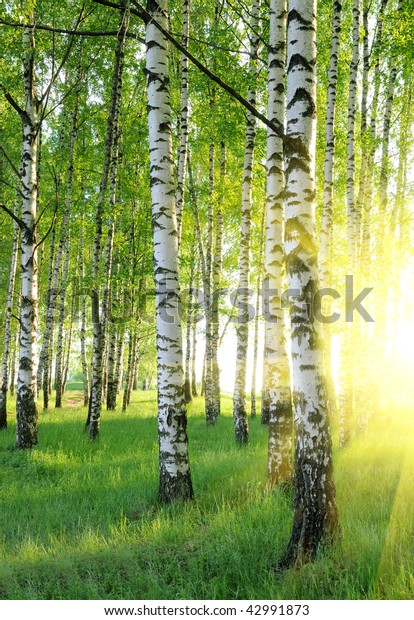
(183, 149)
(315, 513)
(239, 395)
(256, 319)
(109, 172)
(83, 322)
(187, 375)
(277, 381)
(174, 468)
(26, 408)
(346, 391)
(61, 321)
(325, 252)
(215, 292)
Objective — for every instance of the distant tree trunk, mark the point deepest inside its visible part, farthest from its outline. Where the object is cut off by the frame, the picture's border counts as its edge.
(132, 372)
(315, 513)
(13, 364)
(46, 354)
(205, 273)
(194, 391)
(82, 335)
(241, 426)
(119, 367)
(26, 409)
(211, 410)
(354, 227)
(62, 255)
(49, 294)
(211, 370)
(346, 395)
(325, 252)
(203, 378)
(256, 319)
(182, 153)
(47, 348)
(187, 375)
(400, 219)
(384, 252)
(130, 363)
(51, 365)
(277, 362)
(364, 386)
(109, 344)
(396, 234)
(135, 371)
(68, 345)
(385, 163)
(174, 467)
(8, 325)
(215, 292)
(265, 414)
(111, 392)
(61, 325)
(109, 172)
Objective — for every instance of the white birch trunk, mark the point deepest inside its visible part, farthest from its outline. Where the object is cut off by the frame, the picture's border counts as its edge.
(205, 273)
(52, 250)
(83, 322)
(327, 217)
(109, 173)
(129, 372)
(183, 149)
(187, 374)
(359, 202)
(215, 293)
(315, 516)
(119, 368)
(68, 343)
(256, 319)
(174, 468)
(279, 400)
(385, 164)
(63, 248)
(194, 391)
(13, 364)
(346, 394)
(61, 323)
(352, 111)
(26, 410)
(211, 410)
(364, 385)
(325, 251)
(112, 379)
(241, 426)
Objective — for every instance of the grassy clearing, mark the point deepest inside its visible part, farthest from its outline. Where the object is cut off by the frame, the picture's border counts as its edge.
(81, 521)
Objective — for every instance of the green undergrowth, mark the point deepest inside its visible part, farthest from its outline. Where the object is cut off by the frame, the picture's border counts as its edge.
(81, 520)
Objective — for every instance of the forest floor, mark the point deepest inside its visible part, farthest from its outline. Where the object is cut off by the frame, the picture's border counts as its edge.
(81, 520)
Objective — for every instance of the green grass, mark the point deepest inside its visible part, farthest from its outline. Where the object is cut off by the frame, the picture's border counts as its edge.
(81, 520)
(74, 386)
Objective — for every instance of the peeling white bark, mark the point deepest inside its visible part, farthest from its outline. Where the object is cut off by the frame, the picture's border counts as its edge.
(26, 410)
(315, 517)
(241, 426)
(278, 392)
(174, 472)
